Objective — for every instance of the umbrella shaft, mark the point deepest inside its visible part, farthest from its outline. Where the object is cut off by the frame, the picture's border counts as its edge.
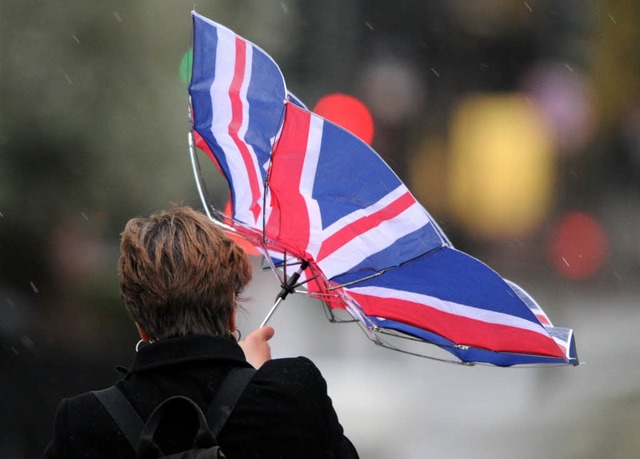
(287, 287)
(273, 309)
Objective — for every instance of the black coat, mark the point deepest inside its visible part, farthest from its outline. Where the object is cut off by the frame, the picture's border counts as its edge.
(284, 412)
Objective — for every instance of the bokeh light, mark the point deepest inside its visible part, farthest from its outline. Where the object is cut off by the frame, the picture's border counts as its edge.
(347, 112)
(577, 246)
(185, 66)
(392, 85)
(566, 101)
(502, 166)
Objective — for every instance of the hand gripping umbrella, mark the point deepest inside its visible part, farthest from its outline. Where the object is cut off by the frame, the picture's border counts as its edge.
(309, 194)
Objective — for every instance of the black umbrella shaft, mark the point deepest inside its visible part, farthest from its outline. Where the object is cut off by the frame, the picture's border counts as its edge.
(290, 285)
(287, 287)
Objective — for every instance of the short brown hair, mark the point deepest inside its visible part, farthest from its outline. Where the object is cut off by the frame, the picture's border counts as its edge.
(180, 273)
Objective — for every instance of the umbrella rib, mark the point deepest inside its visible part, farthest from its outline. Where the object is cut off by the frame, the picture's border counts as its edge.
(382, 271)
(197, 170)
(201, 185)
(268, 175)
(347, 284)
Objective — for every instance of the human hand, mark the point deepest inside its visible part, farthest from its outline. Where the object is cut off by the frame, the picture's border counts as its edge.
(256, 346)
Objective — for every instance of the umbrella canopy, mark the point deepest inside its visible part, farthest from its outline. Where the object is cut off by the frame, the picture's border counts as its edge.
(303, 188)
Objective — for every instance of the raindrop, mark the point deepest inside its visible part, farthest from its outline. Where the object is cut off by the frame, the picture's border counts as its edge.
(368, 24)
(569, 67)
(528, 6)
(33, 287)
(436, 73)
(565, 261)
(68, 79)
(27, 342)
(612, 19)
(1, 215)
(117, 16)
(75, 37)
(84, 216)
(285, 8)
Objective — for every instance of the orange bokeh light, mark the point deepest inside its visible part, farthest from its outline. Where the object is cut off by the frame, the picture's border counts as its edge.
(348, 112)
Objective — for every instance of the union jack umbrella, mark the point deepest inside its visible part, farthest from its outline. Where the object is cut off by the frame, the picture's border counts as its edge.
(311, 195)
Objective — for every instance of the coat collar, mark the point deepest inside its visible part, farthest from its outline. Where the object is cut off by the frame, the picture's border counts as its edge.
(185, 349)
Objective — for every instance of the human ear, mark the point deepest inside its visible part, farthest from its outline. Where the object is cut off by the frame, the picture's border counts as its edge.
(232, 320)
(144, 336)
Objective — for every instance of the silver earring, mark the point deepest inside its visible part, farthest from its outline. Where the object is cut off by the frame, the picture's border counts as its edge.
(139, 344)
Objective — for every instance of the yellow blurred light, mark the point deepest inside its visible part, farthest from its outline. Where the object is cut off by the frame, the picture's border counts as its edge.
(427, 175)
(502, 166)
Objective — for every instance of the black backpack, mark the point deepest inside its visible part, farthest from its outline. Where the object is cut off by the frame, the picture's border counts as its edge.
(177, 427)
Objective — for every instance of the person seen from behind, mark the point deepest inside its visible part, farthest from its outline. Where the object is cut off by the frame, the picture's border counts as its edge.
(181, 278)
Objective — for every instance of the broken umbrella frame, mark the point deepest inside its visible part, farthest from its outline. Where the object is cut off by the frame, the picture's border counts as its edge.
(428, 291)
(290, 282)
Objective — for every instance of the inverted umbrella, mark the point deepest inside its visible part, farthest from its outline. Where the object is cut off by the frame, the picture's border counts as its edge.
(306, 192)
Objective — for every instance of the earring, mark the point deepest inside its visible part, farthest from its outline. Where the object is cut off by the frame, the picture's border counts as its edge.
(236, 332)
(139, 344)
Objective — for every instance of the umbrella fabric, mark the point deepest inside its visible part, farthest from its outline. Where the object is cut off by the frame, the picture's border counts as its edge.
(303, 187)
(455, 296)
(233, 114)
(351, 211)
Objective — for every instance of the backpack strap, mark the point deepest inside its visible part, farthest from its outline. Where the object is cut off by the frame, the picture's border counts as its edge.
(227, 397)
(131, 424)
(174, 412)
(123, 413)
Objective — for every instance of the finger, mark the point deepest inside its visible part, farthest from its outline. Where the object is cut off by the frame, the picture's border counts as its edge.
(266, 332)
(261, 334)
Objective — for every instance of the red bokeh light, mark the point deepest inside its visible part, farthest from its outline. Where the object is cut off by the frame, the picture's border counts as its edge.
(577, 246)
(347, 112)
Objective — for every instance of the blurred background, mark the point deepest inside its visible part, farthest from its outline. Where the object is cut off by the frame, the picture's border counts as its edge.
(516, 123)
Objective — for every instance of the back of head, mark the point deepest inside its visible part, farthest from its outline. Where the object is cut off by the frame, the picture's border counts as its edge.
(180, 274)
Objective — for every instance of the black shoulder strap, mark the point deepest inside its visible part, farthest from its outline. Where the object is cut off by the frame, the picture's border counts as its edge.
(131, 424)
(123, 413)
(227, 396)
